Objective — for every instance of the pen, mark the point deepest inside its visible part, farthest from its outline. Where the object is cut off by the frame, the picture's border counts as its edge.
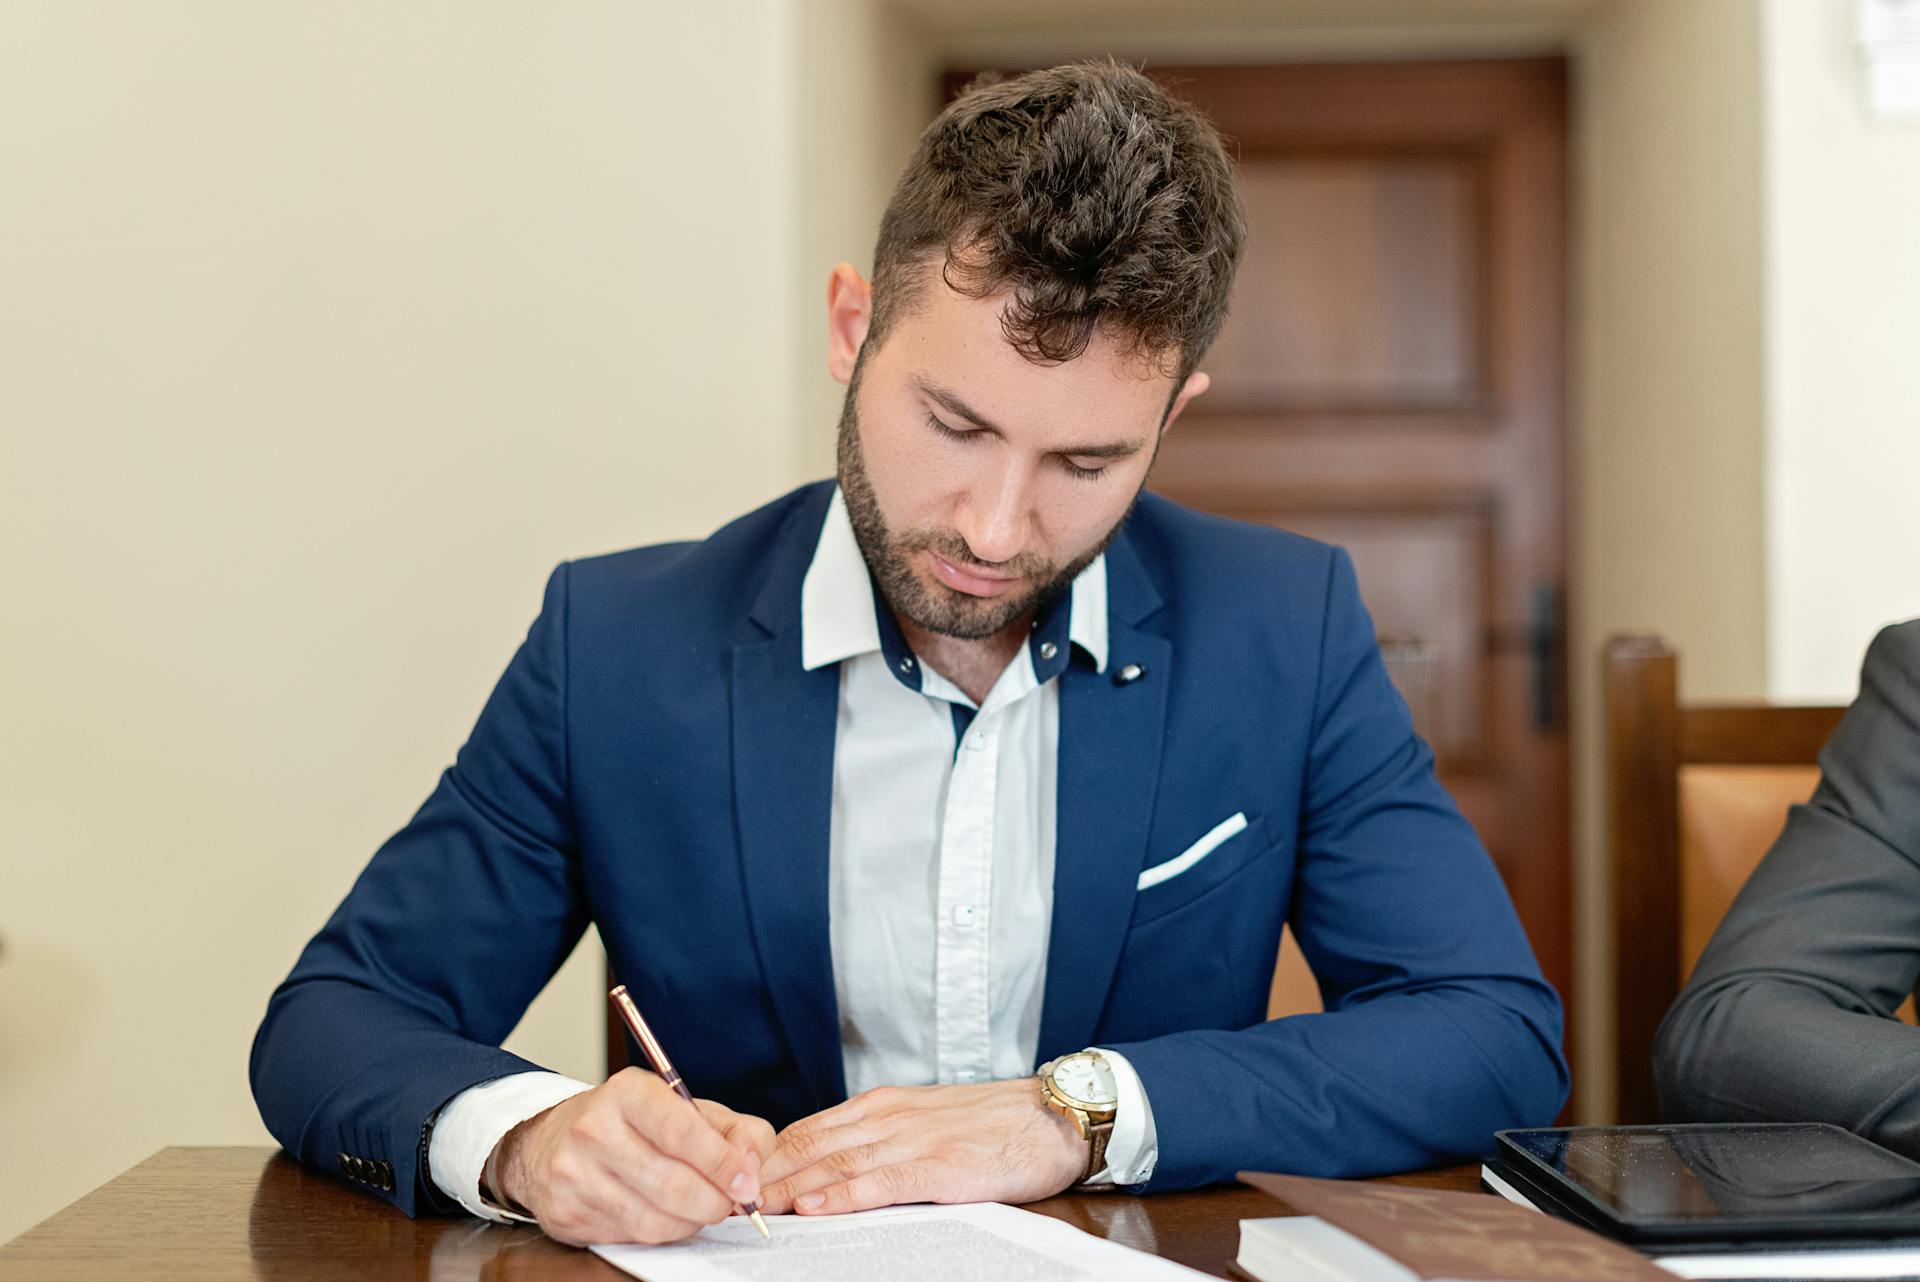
(657, 1056)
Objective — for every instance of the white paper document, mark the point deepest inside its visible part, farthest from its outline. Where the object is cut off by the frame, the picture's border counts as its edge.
(922, 1243)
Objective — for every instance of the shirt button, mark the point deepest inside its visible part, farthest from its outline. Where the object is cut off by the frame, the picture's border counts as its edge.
(963, 915)
(976, 742)
(906, 663)
(1048, 649)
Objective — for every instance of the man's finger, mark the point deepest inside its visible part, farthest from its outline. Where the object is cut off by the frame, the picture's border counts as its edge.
(602, 1208)
(671, 1186)
(807, 1144)
(874, 1100)
(742, 1130)
(853, 1121)
(882, 1186)
(644, 1221)
(833, 1168)
(682, 1132)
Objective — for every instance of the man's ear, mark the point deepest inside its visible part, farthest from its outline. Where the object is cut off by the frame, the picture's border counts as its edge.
(849, 311)
(1196, 383)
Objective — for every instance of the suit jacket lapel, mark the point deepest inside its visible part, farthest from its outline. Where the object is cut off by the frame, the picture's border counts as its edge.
(783, 738)
(1109, 771)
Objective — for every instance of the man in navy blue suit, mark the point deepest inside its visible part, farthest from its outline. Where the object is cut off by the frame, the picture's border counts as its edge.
(947, 817)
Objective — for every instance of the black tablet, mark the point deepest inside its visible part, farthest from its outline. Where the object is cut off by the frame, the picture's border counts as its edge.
(1678, 1184)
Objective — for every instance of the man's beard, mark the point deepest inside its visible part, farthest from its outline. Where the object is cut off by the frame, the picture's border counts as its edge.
(941, 609)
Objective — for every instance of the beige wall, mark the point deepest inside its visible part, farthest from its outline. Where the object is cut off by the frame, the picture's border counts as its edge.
(1843, 324)
(868, 87)
(1669, 378)
(327, 330)
(1667, 397)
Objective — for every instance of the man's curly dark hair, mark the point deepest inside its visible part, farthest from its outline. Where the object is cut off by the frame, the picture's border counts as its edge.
(1086, 190)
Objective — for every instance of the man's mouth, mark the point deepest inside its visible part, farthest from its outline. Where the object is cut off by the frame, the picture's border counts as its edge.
(969, 581)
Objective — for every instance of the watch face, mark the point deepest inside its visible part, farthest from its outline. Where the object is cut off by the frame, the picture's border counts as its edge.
(1086, 1079)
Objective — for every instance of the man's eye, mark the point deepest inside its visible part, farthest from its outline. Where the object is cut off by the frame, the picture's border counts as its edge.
(944, 430)
(1071, 468)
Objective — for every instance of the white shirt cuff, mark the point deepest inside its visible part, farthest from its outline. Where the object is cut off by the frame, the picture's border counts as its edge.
(1134, 1146)
(474, 1121)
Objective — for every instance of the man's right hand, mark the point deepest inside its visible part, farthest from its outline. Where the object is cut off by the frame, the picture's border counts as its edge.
(629, 1161)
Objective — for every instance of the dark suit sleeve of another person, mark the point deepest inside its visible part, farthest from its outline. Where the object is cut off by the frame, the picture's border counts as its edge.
(1788, 1016)
(1438, 1028)
(384, 1019)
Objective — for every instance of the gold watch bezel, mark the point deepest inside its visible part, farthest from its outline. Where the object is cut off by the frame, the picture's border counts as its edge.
(1093, 1111)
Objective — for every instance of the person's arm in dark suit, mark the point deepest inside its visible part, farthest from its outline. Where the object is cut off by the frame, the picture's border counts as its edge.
(385, 1017)
(1438, 1030)
(400, 1002)
(1788, 1016)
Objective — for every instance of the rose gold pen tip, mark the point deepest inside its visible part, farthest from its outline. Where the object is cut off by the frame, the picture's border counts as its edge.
(759, 1223)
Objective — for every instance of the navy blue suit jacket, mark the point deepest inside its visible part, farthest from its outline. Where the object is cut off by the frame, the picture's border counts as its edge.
(656, 761)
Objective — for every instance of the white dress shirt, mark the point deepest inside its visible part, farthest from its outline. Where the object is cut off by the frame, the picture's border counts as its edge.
(940, 868)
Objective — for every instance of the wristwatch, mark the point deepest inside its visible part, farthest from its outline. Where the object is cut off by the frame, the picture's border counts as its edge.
(1080, 1087)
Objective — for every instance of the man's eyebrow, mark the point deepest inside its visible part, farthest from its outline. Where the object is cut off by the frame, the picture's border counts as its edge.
(1113, 449)
(951, 403)
(954, 405)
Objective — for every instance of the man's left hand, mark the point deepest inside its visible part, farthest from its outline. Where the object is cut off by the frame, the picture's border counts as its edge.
(994, 1142)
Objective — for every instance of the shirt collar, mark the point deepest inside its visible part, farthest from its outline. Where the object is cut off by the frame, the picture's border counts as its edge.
(1087, 627)
(840, 608)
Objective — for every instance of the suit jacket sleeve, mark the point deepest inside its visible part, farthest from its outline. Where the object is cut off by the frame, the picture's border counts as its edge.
(1438, 1027)
(1787, 1017)
(401, 1000)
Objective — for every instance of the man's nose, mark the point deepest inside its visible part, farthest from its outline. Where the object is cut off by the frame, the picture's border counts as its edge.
(994, 519)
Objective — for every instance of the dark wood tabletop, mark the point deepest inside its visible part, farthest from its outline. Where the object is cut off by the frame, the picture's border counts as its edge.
(220, 1213)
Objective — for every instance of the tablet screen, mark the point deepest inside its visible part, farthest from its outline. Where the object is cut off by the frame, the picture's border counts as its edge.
(1696, 1174)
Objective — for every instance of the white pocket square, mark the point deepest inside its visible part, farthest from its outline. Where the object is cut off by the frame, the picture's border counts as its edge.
(1193, 854)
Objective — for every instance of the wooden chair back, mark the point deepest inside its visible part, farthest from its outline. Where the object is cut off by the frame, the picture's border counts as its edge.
(1695, 795)
(1294, 991)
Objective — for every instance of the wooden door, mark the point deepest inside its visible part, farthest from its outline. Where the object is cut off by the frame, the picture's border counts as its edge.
(1392, 379)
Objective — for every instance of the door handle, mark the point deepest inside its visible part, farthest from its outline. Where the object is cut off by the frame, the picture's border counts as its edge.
(1544, 628)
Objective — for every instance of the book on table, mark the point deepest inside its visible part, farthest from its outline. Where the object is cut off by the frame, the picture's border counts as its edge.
(1350, 1231)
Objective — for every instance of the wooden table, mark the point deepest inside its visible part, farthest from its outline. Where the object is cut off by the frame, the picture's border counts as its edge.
(219, 1213)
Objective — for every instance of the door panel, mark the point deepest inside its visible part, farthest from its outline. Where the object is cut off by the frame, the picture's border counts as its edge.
(1367, 281)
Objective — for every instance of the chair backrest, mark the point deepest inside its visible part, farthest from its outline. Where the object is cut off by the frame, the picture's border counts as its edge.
(1294, 990)
(1695, 795)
